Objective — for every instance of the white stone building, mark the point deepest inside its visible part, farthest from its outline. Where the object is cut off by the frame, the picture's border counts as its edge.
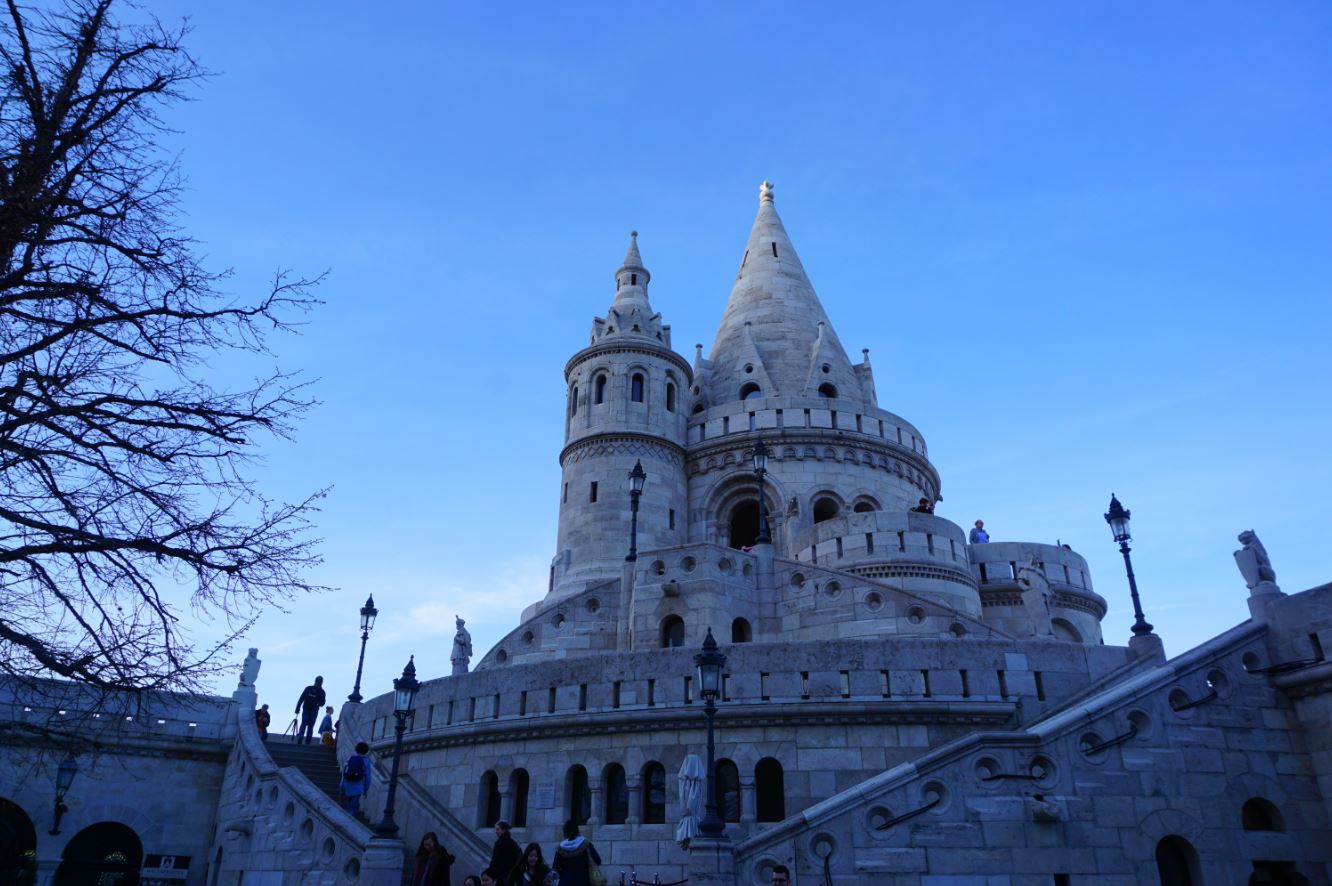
(899, 705)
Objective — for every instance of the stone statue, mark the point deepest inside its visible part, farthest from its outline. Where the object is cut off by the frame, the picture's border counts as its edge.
(462, 648)
(1036, 596)
(1254, 564)
(249, 670)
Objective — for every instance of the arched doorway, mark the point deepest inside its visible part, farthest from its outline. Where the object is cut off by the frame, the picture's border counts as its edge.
(744, 525)
(1177, 862)
(104, 854)
(18, 845)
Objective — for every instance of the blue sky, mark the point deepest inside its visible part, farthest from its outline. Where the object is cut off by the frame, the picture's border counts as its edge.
(1089, 246)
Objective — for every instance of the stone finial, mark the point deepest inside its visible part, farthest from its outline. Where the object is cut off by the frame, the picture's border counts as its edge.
(1255, 566)
(765, 192)
(249, 670)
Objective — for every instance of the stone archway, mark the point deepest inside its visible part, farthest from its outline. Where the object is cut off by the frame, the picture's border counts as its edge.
(18, 844)
(104, 854)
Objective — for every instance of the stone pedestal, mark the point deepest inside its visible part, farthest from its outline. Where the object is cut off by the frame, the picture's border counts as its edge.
(765, 556)
(1147, 646)
(1261, 598)
(382, 863)
(711, 861)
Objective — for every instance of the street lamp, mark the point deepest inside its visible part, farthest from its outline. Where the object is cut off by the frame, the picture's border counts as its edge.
(760, 456)
(368, 613)
(637, 477)
(1118, 518)
(65, 773)
(404, 699)
(710, 663)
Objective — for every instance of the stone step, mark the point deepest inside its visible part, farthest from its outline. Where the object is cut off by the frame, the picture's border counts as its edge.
(317, 762)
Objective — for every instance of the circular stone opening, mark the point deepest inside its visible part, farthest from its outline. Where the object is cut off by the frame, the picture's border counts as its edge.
(501, 656)
(1142, 724)
(826, 368)
(330, 848)
(658, 567)
(558, 620)
(874, 601)
(1042, 769)
(747, 570)
(1250, 662)
(289, 813)
(352, 870)
(823, 845)
(724, 565)
(957, 629)
(749, 367)
(797, 579)
(1089, 745)
(593, 604)
(1218, 682)
(987, 770)
(834, 589)
(936, 793)
(915, 614)
(272, 795)
(307, 829)
(877, 819)
(528, 638)
(688, 564)
(1178, 700)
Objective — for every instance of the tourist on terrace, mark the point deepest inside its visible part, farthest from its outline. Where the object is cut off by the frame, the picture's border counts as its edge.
(356, 777)
(261, 719)
(432, 863)
(924, 507)
(532, 870)
(506, 855)
(308, 705)
(978, 535)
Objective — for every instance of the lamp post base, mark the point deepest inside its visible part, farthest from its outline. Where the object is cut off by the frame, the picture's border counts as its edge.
(1148, 646)
(711, 860)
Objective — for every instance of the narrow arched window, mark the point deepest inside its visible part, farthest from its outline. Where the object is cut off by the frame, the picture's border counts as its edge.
(578, 799)
(827, 391)
(573, 400)
(741, 632)
(636, 388)
(654, 793)
(670, 397)
(727, 781)
(599, 389)
(490, 799)
(750, 391)
(1260, 815)
(1177, 862)
(518, 784)
(672, 632)
(825, 509)
(616, 789)
(769, 790)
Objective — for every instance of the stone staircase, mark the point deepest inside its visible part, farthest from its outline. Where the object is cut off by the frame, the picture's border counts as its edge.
(315, 761)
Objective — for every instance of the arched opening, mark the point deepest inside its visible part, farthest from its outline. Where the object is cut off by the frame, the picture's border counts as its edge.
(1260, 815)
(825, 509)
(727, 782)
(1064, 630)
(636, 387)
(769, 790)
(107, 853)
(864, 506)
(670, 397)
(827, 391)
(616, 789)
(599, 389)
(1177, 862)
(741, 632)
(654, 793)
(489, 806)
(573, 400)
(518, 786)
(698, 407)
(750, 390)
(672, 632)
(745, 524)
(18, 845)
(578, 799)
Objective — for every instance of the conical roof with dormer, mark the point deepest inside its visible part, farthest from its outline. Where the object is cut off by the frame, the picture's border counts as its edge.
(774, 331)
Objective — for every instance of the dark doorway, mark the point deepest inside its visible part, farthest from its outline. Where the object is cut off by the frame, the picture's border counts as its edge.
(1176, 862)
(18, 845)
(104, 854)
(745, 524)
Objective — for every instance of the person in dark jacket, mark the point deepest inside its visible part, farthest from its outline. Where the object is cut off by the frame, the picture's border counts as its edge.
(506, 854)
(308, 705)
(432, 863)
(574, 857)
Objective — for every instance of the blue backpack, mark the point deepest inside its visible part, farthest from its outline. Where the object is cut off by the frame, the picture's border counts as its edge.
(354, 770)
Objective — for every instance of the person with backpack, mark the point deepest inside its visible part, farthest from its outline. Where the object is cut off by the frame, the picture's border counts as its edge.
(356, 777)
(308, 705)
(576, 860)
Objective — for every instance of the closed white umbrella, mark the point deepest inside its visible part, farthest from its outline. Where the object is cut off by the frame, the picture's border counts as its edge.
(691, 799)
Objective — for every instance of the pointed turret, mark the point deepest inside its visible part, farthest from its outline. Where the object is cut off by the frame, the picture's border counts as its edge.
(631, 313)
(775, 327)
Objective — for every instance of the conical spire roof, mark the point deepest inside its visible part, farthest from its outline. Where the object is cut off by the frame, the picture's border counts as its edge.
(631, 313)
(787, 325)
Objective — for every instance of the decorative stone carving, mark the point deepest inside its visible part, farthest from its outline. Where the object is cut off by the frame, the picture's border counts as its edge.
(1035, 596)
(1254, 565)
(249, 670)
(462, 648)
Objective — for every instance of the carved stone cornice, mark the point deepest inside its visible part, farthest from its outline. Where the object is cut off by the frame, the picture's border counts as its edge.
(889, 569)
(621, 443)
(644, 348)
(873, 451)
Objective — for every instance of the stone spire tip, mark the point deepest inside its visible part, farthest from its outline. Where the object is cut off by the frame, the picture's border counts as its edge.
(765, 192)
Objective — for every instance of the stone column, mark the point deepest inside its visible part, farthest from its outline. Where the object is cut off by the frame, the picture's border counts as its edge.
(765, 556)
(594, 793)
(505, 811)
(635, 801)
(747, 807)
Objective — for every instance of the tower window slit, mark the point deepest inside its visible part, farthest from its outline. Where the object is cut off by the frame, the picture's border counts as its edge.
(846, 684)
(859, 428)
(550, 701)
(671, 518)
(899, 435)
(869, 542)
(774, 250)
(522, 703)
(984, 577)
(780, 423)
(1067, 580)
(1012, 569)
(471, 709)
(966, 684)
(449, 720)
(652, 692)
(806, 418)
(1003, 684)
(804, 684)
(901, 541)
(881, 433)
(494, 714)
(582, 696)
(688, 691)
(925, 683)
(615, 694)
(726, 424)
(633, 279)
(566, 498)
(592, 494)
(929, 541)
(887, 687)
(763, 685)
(839, 547)
(1040, 685)
(753, 422)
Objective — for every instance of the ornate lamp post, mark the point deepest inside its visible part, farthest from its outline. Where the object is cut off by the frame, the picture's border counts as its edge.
(1118, 518)
(368, 613)
(760, 456)
(404, 699)
(637, 477)
(710, 663)
(65, 772)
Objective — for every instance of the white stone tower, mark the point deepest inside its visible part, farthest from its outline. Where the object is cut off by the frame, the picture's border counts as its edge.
(627, 391)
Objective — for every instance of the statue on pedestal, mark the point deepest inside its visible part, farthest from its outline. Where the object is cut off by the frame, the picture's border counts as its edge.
(1036, 596)
(1254, 565)
(249, 670)
(462, 648)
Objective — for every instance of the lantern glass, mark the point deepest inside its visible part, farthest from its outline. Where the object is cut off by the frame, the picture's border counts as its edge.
(404, 689)
(760, 456)
(368, 614)
(65, 773)
(1118, 518)
(637, 477)
(710, 663)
